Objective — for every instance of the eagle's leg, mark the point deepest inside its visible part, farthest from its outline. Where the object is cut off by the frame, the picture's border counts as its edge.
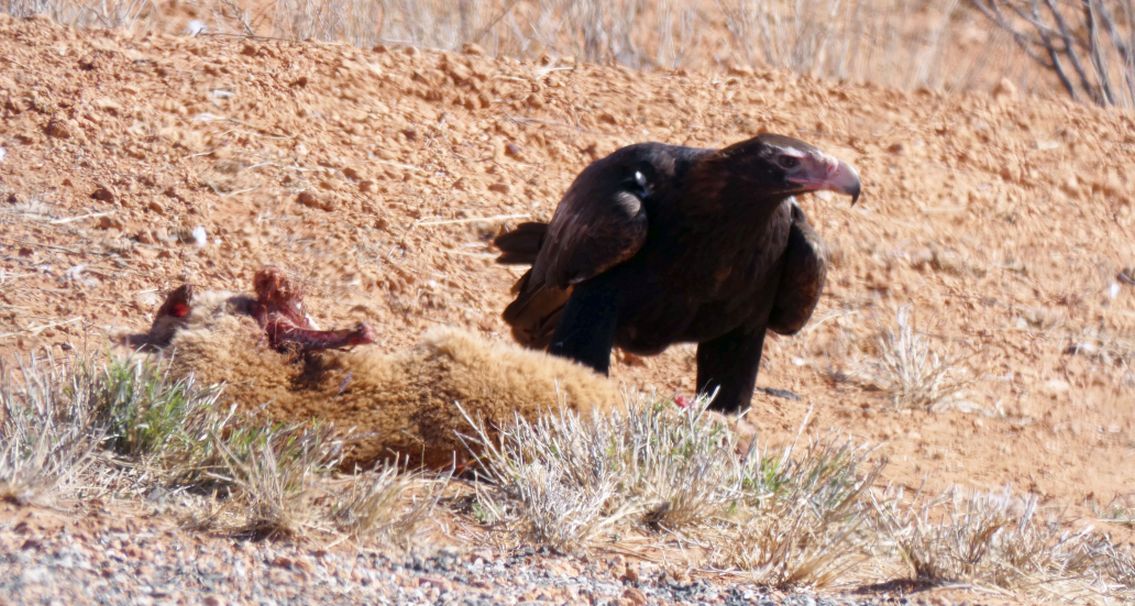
(729, 364)
(586, 332)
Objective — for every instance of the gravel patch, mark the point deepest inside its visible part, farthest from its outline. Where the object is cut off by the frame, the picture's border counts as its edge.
(105, 560)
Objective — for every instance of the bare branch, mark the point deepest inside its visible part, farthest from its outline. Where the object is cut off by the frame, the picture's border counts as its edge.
(1099, 61)
(1069, 50)
(1085, 49)
(1123, 47)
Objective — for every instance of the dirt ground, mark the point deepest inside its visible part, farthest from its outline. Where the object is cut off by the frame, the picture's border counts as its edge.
(377, 176)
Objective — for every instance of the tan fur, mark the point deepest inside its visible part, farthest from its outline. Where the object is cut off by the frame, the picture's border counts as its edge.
(401, 404)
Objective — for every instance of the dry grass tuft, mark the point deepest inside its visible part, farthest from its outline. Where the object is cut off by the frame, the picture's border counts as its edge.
(49, 435)
(786, 519)
(1001, 541)
(553, 477)
(272, 478)
(806, 514)
(1118, 567)
(910, 368)
(157, 421)
(1120, 510)
(385, 503)
(86, 13)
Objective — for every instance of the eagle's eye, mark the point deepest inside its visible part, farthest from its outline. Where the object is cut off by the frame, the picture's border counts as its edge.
(788, 161)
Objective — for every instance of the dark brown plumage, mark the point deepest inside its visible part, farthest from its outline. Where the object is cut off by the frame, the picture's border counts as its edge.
(659, 244)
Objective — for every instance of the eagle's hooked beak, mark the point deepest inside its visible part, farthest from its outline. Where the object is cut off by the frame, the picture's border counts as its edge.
(824, 172)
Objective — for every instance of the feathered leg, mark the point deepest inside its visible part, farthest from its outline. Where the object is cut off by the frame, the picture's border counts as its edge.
(586, 331)
(729, 364)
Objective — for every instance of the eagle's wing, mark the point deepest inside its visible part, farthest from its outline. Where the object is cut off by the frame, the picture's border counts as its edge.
(600, 223)
(535, 312)
(802, 280)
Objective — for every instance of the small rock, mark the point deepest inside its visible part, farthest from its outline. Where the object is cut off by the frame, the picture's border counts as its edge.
(500, 188)
(57, 129)
(75, 273)
(636, 596)
(109, 222)
(103, 194)
(108, 105)
(1071, 185)
(310, 200)
(1005, 89)
(200, 238)
(3, 154)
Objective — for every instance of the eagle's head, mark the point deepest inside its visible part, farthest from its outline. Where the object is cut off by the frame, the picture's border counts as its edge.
(783, 166)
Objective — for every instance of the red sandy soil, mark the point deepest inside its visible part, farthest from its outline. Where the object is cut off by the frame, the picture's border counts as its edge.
(378, 176)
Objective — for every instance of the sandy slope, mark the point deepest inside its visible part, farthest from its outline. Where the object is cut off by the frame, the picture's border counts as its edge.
(378, 176)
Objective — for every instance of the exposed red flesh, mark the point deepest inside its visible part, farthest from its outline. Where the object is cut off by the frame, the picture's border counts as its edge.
(285, 336)
(279, 311)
